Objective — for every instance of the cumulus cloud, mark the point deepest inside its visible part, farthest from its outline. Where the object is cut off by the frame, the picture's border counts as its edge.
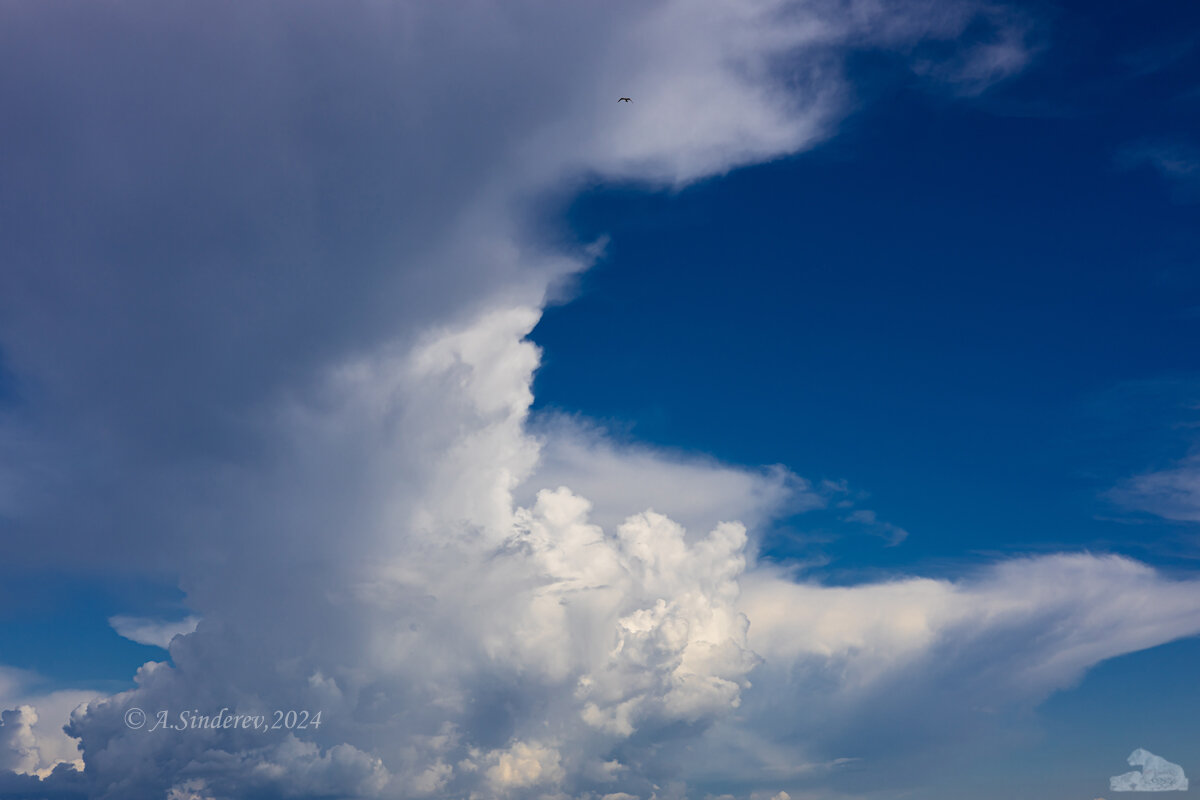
(459, 621)
(273, 269)
(32, 741)
(621, 479)
(525, 649)
(18, 745)
(291, 768)
(523, 765)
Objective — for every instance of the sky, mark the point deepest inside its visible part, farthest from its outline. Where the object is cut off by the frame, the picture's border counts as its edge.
(819, 425)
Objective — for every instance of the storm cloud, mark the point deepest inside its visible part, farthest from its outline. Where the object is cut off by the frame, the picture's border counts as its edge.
(271, 273)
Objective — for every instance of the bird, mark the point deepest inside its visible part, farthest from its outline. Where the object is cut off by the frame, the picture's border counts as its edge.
(624, 100)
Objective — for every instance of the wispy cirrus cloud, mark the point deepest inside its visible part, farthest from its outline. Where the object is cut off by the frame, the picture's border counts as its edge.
(870, 520)
(1178, 162)
(1172, 493)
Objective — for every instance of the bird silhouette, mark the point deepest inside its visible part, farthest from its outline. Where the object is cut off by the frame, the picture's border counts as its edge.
(624, 100)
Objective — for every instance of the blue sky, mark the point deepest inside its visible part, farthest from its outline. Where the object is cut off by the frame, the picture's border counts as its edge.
(384, 358)
(967, 309)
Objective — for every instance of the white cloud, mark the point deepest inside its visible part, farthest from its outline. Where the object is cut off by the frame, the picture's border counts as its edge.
(514, 648)
(18, 744)
(1156, 774)
(1172, 493)
(32, 741)
(893, 533)
(447, 598)
(155, 632)
(625, 479)
(908, 664)
(433, 779)
(523, 765)
(1073, 608)
(13, 681)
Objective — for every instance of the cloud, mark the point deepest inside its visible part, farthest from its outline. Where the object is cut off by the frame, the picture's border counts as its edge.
(1177, 162)
(272, 273)
(1158, 57)
(873, 628)
(64, 783)
(514, 648)
(155, 632)
(13, 680)
(18, 745)
(895, 670)
(523, 765)
(621, 479)
(196, 242)
(471, 618)
(1172, 493)
(1156, 775)
(32, 740)
(291, 767)
(1003, 43)
(893, 533)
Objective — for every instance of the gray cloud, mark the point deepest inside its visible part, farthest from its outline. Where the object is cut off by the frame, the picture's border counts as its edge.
(271, 276)
(207, 205)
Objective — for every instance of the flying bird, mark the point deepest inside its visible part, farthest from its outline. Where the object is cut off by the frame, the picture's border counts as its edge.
(624, 100)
